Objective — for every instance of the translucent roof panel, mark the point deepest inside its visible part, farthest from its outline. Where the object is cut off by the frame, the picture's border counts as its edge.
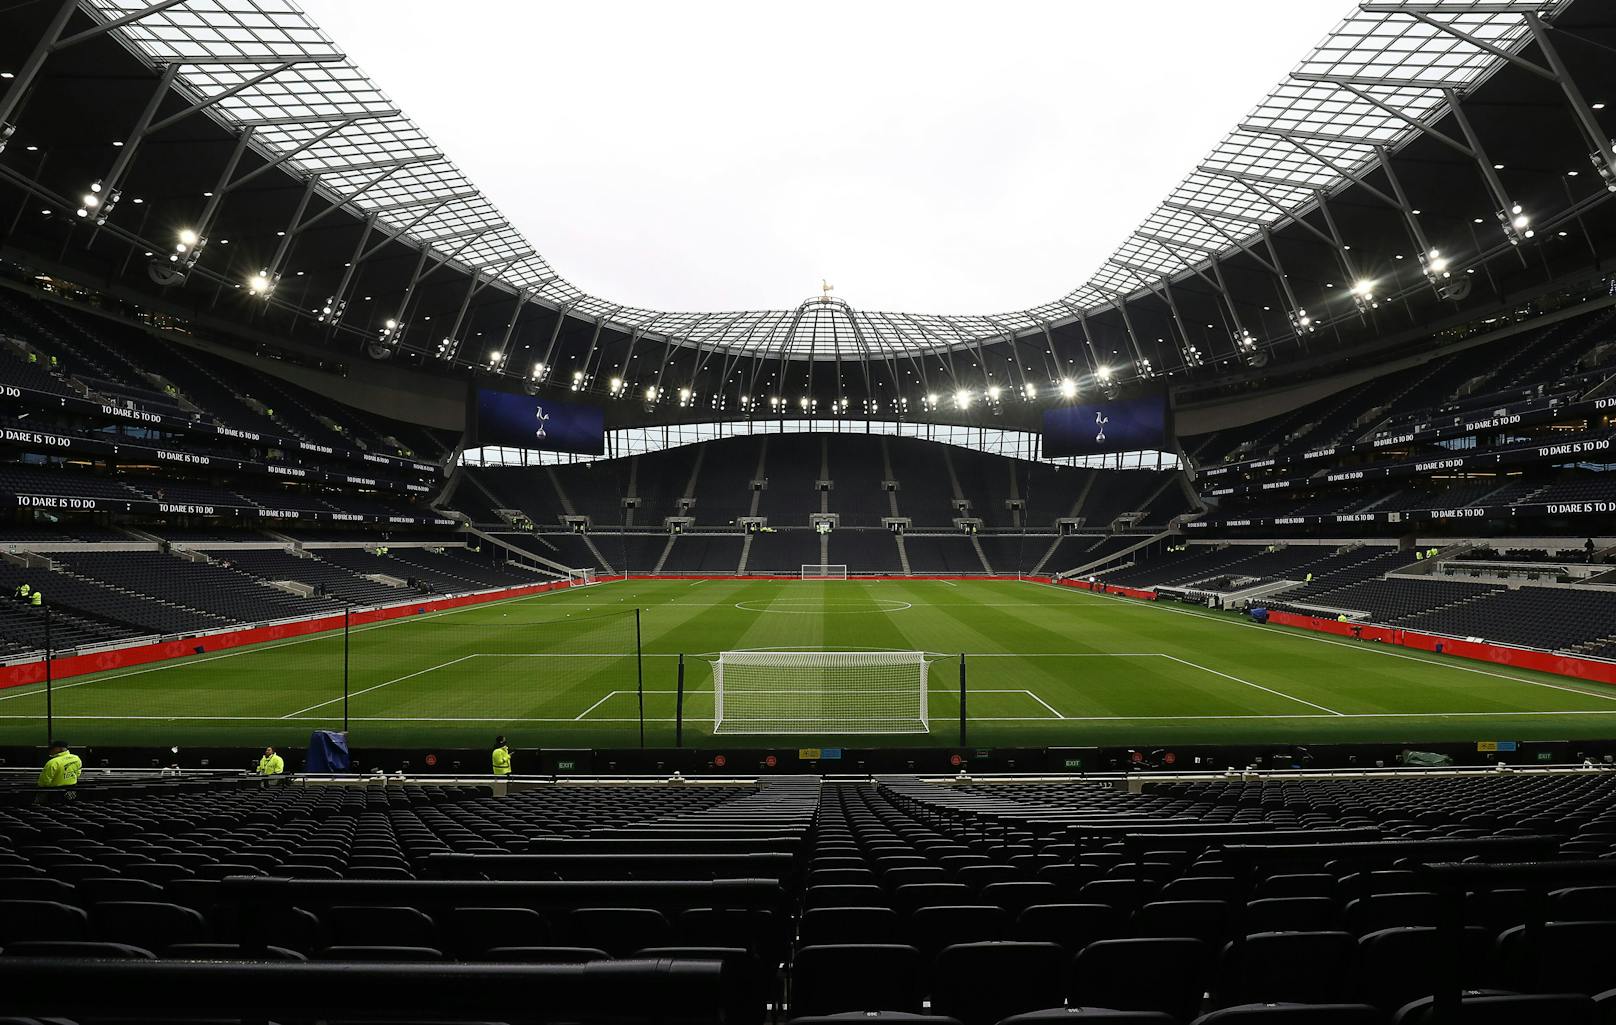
(301, 95)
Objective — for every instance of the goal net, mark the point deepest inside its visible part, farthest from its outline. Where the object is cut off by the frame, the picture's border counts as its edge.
(797, 692)
(823, 572)
(581, 576)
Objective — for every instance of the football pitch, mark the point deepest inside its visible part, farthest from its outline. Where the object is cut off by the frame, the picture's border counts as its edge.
(1045, 666)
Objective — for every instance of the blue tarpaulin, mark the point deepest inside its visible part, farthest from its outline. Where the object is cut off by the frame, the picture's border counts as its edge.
(328, 752)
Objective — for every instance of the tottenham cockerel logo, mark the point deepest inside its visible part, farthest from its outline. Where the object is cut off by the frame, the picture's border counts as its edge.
(544, 418)
(1100, 420)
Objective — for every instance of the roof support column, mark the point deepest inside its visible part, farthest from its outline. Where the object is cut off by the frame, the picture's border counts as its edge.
(12, 101)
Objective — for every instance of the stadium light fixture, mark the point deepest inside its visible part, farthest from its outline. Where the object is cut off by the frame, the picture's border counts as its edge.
(261, 284)
(962, 399)
(1030, 390)
(1068, 388)
(1103, 372)
(1517, 225)
(616, 384)
(332, 309)
(7, 130)
(188, 249)
(1363, 295)
(994, 391)
(651, 393)
(1607, 174)
(1301, 322)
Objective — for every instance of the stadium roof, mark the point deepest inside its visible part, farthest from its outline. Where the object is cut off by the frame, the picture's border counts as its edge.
(1315, 224)
(1378, 73)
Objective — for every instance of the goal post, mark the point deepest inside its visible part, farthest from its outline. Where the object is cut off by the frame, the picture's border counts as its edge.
(822, 571)
(577, 577)
(798, 692)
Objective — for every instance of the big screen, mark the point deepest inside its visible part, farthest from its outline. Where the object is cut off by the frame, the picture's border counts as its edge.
(1118, 425)
(514, 420)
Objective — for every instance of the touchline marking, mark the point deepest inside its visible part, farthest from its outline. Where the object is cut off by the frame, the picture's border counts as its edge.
(379, 686)
(1248, 683)
(1377, 650)
(37, 688)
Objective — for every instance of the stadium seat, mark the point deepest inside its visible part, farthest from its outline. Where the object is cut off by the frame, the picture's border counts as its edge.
(1073, 926)
(912, 896)
(1126, 974)
(849, 925)
(379, 952)
(1291, 914)
(229, 952)
(41, 920)
(1089, 1016)
(747, 984)
(874, 1018)
(1398, 966)
(1017, 896)
(1294, 1014)
(384, 926)
(1207, 920)
(1562, 957)
(1297, 967)
(469, 932)
(930, 929)
(845, 896)
(76, 948)
(147, 924)
(619, 931)
(981, 983)
(1389, 911)
(545, 955)
(1508, 1009)
(855, 977)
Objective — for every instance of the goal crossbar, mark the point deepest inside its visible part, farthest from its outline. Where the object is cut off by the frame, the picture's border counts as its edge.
(798, 692)
(582, 576)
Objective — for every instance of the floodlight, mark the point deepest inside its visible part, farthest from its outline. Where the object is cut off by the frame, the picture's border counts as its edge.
(1068, 388)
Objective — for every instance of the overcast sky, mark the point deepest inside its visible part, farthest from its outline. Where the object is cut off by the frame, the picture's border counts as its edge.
(935, 157)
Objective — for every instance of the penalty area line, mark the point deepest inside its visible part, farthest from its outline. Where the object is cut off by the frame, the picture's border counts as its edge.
(1248, 683)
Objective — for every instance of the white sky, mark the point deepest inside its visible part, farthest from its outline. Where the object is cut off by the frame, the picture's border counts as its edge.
(936, 157)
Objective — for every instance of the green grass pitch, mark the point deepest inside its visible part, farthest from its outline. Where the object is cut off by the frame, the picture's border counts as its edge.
(1047, 666)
